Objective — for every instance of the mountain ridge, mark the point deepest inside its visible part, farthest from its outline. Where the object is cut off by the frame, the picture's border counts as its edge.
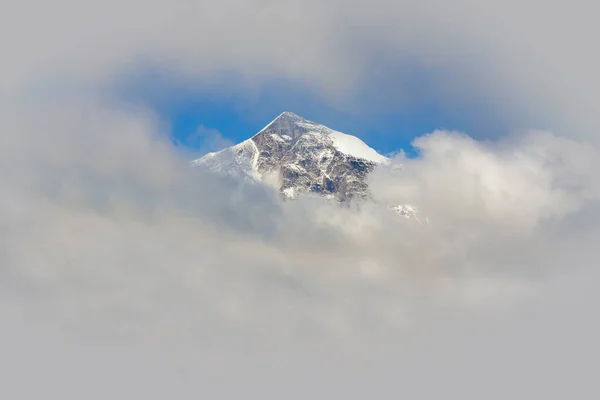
(300, 156)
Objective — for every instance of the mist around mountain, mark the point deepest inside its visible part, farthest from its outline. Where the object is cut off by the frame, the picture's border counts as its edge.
(298, 157)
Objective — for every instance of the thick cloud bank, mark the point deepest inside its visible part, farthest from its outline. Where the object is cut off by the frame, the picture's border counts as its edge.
(104, 224)
(124, 273)
(108, 235)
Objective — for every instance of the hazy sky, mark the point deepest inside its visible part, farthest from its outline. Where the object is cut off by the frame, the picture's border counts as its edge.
(123, 273)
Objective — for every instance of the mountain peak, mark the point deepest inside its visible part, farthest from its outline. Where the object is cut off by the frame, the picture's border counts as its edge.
(303, 156)
(289, 124)
(288, 115)
(284, 123)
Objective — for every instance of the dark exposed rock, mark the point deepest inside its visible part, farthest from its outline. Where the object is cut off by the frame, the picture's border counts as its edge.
(303, 156)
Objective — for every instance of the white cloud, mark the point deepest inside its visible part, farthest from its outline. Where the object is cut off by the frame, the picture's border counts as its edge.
(107, 237)
(110, 238)
(106, 225)
(515, 183)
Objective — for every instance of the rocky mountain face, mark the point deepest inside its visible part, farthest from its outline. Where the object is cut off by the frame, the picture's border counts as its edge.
(300, 156)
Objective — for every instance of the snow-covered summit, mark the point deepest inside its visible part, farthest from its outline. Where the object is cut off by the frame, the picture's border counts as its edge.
(297, 155)
(287, 121)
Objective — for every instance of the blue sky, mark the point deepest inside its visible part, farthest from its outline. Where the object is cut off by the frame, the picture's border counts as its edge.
(237, 110)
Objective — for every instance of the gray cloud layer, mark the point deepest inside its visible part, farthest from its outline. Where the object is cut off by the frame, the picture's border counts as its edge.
(178, 277)
(109, 237)
(526, 59)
